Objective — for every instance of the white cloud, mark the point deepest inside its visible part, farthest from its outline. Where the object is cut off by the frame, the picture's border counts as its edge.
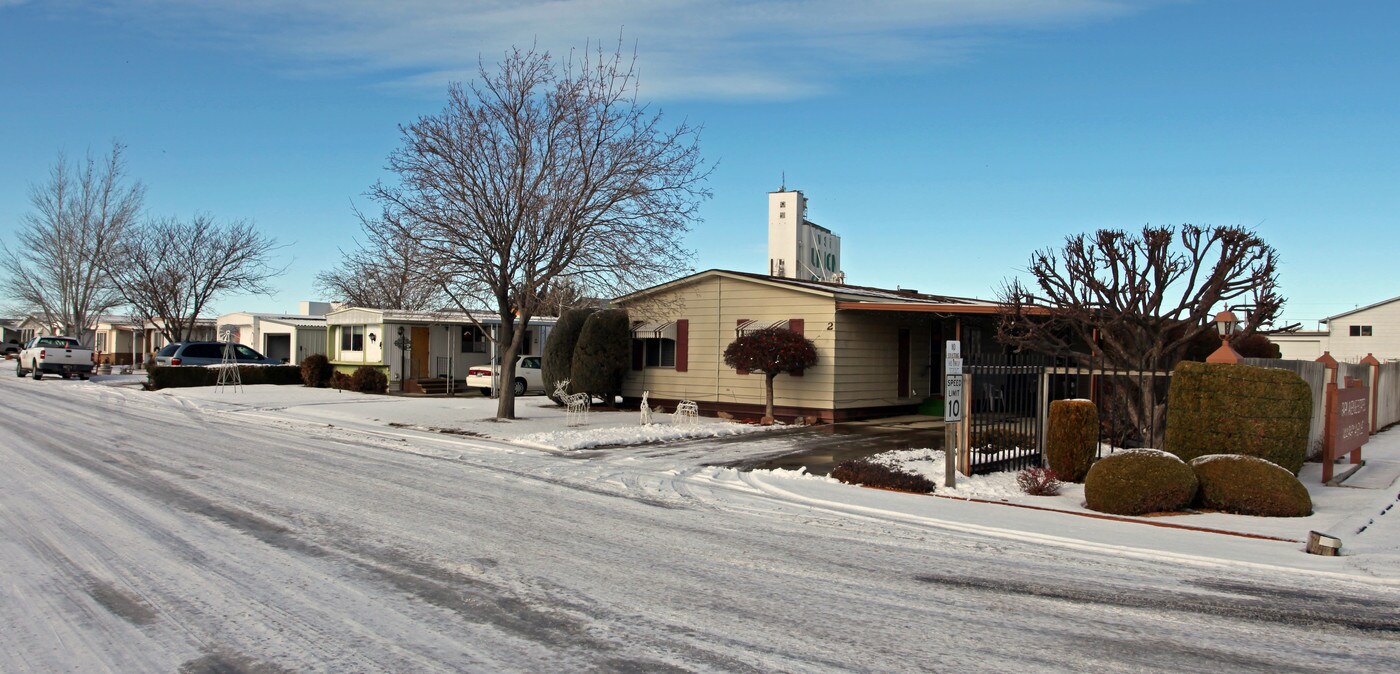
(745, 49)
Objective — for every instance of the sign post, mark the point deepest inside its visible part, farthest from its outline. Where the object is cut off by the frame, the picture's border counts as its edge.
(952, 409)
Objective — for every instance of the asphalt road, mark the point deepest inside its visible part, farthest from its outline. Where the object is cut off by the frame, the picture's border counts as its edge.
(143, 535)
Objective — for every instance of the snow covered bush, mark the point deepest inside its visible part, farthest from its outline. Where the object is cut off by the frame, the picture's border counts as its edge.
(316, 370)
(1258, 411)
(867, 473)
(369, 379)
(1139, 481)
(1248, 485)
(1038, 481)
(1072, 438)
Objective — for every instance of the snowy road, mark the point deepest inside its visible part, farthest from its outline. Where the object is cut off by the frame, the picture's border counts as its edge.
(158, 537)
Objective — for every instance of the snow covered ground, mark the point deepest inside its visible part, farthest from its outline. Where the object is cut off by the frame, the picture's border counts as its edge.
(290, 529)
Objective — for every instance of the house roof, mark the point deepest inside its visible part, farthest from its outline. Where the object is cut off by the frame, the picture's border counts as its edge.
(438, 317)
(846, 296)
(1359, 309)
(294, 320)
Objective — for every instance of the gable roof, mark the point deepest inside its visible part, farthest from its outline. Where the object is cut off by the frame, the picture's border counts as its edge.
(1360, 309)
(847, 296)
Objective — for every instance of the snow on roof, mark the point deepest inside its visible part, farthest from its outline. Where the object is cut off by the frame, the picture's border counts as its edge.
(295, 320)
(839, 291)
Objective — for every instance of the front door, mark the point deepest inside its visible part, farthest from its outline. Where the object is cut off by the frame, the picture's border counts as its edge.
(904, 363)
(418, 358)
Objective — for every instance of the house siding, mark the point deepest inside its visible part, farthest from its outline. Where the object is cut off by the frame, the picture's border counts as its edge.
(713, 306)
(1384, 341)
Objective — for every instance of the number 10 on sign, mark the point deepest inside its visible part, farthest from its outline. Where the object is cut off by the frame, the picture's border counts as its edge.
(952, 398)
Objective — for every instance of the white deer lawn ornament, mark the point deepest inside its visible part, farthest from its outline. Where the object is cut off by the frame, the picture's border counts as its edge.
(576, 402)
(687, 413)
(646, 409)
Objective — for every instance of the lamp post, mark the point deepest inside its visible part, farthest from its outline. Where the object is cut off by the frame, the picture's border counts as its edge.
(1226, 324)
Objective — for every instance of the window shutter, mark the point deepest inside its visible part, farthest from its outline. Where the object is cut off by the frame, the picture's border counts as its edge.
(796, 325)
(639, 354)
(682, 345)
(739, 324)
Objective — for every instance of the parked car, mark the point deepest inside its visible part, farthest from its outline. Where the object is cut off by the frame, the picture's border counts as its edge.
(62, 356)
(527, 376)
(208, 353)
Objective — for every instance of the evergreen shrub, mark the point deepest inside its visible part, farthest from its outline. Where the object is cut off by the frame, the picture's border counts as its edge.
(1139, 481)
(368, 379)
(316, 370)
(1249, 485)
(603, 354)
(1072, 438)
(1216, 408)
(557, 363)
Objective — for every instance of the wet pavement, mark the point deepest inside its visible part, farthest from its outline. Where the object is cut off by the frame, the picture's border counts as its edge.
(820, 448)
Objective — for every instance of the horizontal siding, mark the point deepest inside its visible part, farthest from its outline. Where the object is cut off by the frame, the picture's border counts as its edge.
(868, 368)
(713, 306)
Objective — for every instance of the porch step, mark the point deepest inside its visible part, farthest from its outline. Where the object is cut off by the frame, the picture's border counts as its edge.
(437, 386)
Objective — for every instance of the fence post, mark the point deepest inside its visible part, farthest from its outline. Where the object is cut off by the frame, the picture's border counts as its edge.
(965, 428)
(1329, 402)
(1375, 366)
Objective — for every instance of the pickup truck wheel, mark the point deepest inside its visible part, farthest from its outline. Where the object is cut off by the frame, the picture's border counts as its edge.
(519, 387)
(37, 373)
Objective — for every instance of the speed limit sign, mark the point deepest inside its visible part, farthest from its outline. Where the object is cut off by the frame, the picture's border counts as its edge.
(952, 398)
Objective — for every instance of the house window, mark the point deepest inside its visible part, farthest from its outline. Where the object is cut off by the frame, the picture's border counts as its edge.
(659, 352)
(102, 342)
(473, 339)
(1360, 331)
(352, 338)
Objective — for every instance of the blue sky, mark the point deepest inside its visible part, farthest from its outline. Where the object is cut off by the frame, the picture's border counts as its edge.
(944, 141)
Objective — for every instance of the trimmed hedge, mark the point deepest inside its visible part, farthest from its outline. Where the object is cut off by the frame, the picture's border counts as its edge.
(558, 361)
(1139, 481)
(252, 375)
(603, 354)
(1241, 409)
(1249, 485)
(316, 370)
(870, 474)
(369, 380)
(1072, 439)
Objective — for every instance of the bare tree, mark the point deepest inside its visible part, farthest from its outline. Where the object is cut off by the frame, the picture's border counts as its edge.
(541, 172)
(389, 274)
(54, 266)
(170, 270)
(1138, 301)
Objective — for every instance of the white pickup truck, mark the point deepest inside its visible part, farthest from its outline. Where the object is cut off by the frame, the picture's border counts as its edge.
(62, 356)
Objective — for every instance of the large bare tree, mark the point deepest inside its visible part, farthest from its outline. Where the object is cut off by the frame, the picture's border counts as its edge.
(54, 261)
(170, 269)
(387, 274)
(543, 172)
(1137, 301)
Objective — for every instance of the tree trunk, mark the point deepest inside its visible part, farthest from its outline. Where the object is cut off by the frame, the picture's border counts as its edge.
(768, 411)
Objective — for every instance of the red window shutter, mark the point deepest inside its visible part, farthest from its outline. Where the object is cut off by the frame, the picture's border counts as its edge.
(682, 345)
(796, 325)
(639, 354)
(739, 324)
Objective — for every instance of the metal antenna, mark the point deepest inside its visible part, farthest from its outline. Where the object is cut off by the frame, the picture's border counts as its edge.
(228, 369)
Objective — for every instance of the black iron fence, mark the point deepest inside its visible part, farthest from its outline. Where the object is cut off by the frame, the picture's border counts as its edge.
(1008, 399)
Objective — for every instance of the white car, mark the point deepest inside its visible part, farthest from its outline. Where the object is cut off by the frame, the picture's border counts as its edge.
(528, 376)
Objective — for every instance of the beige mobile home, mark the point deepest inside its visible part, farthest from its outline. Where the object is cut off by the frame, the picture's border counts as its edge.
(880, 351)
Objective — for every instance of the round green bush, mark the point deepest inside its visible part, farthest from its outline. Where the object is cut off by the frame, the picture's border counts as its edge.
(316, 370)
(369, 380)
(1249, 485)
(1139, 481)
(1073, 438)
(603, 354)
(1258, 411)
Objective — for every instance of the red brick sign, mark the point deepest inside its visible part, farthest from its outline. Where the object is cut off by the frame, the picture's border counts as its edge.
(1348, 424)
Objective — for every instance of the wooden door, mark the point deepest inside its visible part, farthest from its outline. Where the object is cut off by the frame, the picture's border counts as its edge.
(418, 353)
(904, 362)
